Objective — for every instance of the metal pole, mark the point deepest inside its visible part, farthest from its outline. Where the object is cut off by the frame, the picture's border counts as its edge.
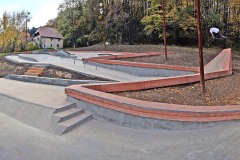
(164, 28)
(200, 47)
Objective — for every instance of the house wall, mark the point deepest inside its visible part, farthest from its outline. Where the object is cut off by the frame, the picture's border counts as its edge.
(52, 42)
(37, 40)
(48, 42)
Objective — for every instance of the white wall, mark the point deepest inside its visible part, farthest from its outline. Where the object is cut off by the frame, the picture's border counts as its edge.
(48, 42)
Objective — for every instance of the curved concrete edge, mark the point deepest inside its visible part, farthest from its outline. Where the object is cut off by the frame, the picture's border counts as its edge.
(143, 71)
(213, 69)
(149, 84)
(95, 94)
(51, 81)
(139, 122)
(157, 110)
(34, 115)
(113, 60)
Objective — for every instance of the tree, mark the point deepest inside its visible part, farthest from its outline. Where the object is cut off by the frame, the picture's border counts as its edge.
(12, 29)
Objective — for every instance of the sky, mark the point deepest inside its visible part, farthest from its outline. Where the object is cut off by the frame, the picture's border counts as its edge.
(40, 10)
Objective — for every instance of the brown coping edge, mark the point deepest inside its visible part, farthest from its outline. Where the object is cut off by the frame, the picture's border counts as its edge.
(96, 94)
(113, 60)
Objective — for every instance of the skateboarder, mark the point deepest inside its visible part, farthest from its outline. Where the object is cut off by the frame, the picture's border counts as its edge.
(215, 32)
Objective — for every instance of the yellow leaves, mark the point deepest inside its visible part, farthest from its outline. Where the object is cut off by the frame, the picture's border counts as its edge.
(11, 27)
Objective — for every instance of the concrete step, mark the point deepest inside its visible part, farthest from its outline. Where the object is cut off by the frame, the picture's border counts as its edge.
(75, 121)
(36, 69)
(67, 114)
(72, 105)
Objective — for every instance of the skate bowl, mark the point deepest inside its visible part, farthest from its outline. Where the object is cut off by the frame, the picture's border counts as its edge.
(98, 100)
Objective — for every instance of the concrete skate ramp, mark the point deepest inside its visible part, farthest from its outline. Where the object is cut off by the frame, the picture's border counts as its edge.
(143, 114)
(35, 115)
(32, 104)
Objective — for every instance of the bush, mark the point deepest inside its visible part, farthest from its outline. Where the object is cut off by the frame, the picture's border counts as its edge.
(32, 46)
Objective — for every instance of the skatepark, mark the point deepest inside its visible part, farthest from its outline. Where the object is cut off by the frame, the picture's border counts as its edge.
(84, 120)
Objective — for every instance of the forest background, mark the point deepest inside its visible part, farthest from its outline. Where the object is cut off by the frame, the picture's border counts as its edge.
(88, 22)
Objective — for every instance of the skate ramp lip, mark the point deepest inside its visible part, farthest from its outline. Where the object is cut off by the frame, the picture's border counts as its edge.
(98, 95)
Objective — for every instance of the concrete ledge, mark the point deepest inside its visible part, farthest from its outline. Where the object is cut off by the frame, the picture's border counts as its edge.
(96, 96)
(140, 69)
(114, 60)
(51, 81)
(156, 110)
(140, 122)
(145, 70)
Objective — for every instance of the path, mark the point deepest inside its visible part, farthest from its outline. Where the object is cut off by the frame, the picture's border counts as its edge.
(79, 67)
(100, 141)
(41, 94)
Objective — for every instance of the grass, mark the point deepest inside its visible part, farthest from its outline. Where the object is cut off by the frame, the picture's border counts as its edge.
(4, 54)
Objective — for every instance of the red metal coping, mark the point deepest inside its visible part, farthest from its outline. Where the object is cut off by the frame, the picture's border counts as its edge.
(95, 94)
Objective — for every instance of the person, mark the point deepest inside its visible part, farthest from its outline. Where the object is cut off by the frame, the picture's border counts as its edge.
(215, 32)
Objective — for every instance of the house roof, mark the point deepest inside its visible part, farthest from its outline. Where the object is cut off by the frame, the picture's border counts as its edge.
(48, 32)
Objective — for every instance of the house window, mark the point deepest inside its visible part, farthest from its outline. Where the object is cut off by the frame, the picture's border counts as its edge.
(51, 39)
(57, 45)
(51, 45)
(58, 39)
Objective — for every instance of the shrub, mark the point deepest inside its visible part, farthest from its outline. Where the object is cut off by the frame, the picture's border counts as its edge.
(32, 46)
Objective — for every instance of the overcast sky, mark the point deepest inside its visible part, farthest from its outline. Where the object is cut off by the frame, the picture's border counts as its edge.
(41, 10)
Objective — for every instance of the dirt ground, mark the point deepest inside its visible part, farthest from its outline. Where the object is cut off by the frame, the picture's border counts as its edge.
(8, 67)
(179, 59)
(219, 91)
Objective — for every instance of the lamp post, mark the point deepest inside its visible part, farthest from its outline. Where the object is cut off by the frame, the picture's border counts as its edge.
(27, 20)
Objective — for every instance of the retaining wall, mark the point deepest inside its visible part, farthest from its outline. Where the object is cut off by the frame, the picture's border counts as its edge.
(132, 112)
(140, 69)
(50, 81)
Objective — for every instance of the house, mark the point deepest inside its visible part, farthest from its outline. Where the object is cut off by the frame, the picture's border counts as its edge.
(46, 37)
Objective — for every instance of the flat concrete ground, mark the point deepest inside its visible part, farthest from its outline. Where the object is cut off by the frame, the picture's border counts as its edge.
(42, 94)
(101, 141)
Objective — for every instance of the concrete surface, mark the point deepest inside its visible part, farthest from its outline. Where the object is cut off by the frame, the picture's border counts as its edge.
(34, 105)
(99, 141)
(40, 94)
(79, 66)
(143, 72)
